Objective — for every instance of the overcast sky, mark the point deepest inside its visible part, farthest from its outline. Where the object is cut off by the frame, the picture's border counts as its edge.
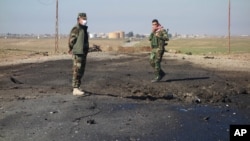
(180, 16)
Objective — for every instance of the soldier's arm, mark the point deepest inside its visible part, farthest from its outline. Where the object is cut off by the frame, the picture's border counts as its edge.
(72, 38)
(164, 35)
(151, 36)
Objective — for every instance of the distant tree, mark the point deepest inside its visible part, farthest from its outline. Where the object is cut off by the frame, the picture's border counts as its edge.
(170, 35)
(137, 36)
(130, 34)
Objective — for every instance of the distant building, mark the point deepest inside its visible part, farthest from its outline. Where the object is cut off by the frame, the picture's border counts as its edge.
(92, 35)
(116, 35)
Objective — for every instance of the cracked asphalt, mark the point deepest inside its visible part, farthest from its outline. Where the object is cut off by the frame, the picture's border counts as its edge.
(190, 103)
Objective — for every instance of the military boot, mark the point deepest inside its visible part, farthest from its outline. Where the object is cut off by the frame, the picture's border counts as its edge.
(162, 73)
(159, 77)
(77, 91)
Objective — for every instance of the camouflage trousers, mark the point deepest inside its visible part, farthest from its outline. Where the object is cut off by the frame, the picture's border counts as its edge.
(79, 63)
(155, 60)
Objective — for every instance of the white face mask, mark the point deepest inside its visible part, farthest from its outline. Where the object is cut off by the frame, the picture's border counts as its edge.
(83, 22)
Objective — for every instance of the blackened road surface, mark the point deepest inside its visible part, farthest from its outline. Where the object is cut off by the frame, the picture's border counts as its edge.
(191, 103)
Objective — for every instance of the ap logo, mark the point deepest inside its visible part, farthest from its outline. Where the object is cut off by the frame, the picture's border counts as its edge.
(239, 132)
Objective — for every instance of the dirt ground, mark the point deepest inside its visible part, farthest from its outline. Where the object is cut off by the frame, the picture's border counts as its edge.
(210, 92)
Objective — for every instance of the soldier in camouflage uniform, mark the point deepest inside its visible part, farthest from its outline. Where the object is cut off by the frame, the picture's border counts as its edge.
(158, 39)
(78, 46)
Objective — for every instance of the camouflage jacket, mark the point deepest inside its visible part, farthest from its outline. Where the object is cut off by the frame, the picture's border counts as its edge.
(78, 39)
(160, 40)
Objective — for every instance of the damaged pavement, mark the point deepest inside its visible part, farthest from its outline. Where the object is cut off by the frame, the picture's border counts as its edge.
(190, 103)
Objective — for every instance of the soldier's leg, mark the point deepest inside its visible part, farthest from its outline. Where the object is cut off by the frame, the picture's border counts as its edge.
(152, 58)
(158, 71)
(77, 71)
(75, 83)
(161, 53)
(158, 59)
(83, 64)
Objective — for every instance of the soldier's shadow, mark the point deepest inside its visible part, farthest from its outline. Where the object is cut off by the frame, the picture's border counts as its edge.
(186, 79)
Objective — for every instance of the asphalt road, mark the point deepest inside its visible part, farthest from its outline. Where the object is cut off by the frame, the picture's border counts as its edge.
(191, 102)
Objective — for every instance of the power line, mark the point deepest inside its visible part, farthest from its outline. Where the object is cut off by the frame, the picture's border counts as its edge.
(229, 24)
(49, 2)
(56, 32)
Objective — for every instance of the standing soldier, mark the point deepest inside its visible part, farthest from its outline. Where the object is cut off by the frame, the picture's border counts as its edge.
(79, 46)
(158, 39)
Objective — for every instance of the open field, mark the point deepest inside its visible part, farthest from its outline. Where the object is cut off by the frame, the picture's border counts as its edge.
(25, 48)
(216, 46)
(207, 46)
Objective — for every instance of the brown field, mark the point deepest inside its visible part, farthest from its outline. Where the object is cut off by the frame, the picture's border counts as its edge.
(11, 49)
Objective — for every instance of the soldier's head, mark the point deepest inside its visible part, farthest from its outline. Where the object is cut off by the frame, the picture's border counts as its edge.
(155, 22)
(82, 18)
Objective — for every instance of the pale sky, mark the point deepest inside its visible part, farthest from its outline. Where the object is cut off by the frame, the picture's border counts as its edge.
(180, 16)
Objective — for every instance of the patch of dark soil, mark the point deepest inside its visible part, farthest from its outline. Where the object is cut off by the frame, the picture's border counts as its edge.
(128, 77)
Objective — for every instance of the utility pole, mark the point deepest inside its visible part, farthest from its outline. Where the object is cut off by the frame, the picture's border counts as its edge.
(229, 21)
(56, 33)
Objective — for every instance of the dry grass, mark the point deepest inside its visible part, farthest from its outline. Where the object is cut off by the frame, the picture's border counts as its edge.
(214, 46)
(11, 49)
(116, 46)
(211, 45)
